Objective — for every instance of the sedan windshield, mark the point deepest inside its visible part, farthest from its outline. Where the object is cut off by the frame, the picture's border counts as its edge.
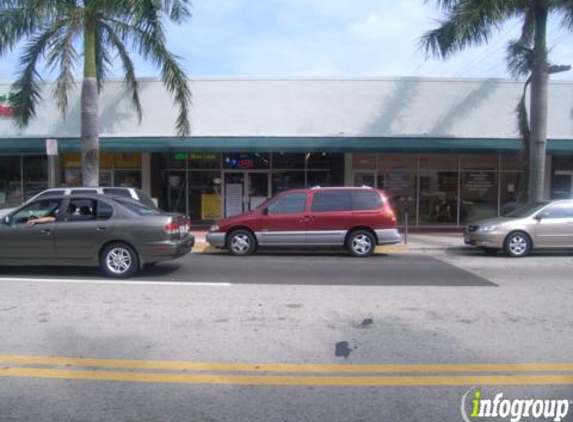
(527, 209)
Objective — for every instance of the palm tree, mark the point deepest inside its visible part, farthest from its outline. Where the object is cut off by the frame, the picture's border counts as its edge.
(470, 23)
(52, 32)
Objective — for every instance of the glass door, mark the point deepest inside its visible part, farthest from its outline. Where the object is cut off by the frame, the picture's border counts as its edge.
(257, 189)
(245, 191)
(234, 193)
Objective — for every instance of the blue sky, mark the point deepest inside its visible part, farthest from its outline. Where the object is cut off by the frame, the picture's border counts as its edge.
(326, 38)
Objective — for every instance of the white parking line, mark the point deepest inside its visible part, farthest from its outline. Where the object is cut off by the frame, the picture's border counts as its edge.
(129, 282)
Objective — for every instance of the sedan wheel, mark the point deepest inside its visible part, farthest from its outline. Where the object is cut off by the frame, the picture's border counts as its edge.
(517, 245)
(119, 260)
(241, 243)
(361, 243)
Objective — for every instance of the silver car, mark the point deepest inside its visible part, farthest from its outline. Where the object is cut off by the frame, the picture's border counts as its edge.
(120, 235)
(547, 224)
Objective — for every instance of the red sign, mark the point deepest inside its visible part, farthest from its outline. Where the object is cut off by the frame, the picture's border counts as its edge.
(6, 111)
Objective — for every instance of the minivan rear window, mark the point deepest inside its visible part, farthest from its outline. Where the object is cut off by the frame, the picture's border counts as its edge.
(366, 200)
(331, 201)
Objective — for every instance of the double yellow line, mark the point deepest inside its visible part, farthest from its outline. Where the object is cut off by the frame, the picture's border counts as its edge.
(329, 375)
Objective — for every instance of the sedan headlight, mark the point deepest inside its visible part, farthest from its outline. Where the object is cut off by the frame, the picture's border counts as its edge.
(214, 228)
(488, 228)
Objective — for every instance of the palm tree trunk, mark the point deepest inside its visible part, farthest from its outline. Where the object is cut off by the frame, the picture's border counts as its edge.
(89, 104)
(538, 105)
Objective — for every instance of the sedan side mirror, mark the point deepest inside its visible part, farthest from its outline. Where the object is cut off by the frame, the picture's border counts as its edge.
(6, 220)
(541, 216)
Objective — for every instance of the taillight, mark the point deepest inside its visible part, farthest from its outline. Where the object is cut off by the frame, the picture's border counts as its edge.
(172, 228)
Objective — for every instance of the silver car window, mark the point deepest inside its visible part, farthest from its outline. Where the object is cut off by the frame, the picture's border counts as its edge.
(558, 211)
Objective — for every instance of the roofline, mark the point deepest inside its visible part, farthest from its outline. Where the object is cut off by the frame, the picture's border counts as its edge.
(319, 79)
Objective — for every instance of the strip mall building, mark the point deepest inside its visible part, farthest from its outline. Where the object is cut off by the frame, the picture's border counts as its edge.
(451, 145)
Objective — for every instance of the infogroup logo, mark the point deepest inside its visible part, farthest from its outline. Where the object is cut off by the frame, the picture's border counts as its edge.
(475, 407)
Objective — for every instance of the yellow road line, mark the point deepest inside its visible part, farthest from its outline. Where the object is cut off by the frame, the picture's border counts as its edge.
(327, 381)
(271, 367)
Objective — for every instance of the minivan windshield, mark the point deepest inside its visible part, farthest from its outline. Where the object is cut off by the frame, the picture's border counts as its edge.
(527, 209)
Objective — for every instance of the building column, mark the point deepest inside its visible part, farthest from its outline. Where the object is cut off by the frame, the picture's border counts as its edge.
(146, 173)
(548, 177)
(348, 177)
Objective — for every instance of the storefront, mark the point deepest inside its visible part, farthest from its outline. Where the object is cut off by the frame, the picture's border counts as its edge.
(447, 147)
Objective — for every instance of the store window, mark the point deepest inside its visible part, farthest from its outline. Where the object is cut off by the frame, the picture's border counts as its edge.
(204, 160)
(285, 180)
(35, 175)
(397, 176)
(283, 160)
(438, 197)
(10, 181)
(511, 191)
(176, 160)
(364, 161)
(246, 161)
(205, 195)
(479, 190)
(120, 169)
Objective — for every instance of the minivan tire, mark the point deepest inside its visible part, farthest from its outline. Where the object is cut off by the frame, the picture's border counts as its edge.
(517, 245)
(241, 243)
(361, 243)
(119, 260)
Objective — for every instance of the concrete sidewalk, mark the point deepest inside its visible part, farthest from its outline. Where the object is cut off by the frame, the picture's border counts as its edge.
(417, 242)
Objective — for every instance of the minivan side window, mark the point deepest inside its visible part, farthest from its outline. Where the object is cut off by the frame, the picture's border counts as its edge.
(366, 200)
(331, 201)
(291, 203)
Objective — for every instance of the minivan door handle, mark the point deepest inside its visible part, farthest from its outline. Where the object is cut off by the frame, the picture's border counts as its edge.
(46, 231)
(305, 219)
(99, 229)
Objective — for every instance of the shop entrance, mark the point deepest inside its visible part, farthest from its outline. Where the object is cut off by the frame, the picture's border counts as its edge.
(244, 190)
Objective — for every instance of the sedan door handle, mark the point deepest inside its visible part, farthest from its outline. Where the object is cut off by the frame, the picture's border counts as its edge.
(47, 231)
(99, 229)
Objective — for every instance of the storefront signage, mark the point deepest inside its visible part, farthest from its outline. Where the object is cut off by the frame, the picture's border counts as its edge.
(210, 206)
(448, 181)
(479, 182)
(397, 179)
(6, 110)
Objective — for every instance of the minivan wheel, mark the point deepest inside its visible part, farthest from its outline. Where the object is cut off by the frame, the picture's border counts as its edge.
(517, 245)
(241, 243)
(119, 260)
(361, 243)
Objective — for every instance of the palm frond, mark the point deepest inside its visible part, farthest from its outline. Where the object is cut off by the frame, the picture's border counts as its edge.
(172, 74)
(63, 55)
(178, 10)
(26, 89)
(128, 67)
(519, 59)
(467, 23)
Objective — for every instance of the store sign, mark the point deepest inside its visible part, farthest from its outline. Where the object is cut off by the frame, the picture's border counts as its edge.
(6, 110)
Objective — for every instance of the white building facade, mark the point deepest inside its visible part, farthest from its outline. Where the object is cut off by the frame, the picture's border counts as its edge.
(449, 146)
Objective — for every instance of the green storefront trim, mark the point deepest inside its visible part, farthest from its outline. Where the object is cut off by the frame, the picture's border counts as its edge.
(287, 144)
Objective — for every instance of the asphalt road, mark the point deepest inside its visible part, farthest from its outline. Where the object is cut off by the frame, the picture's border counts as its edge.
(285, 337)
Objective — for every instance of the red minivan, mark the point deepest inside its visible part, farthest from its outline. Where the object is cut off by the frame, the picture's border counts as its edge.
(355, 218)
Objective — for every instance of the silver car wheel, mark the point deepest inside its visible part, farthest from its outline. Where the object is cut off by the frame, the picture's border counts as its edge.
(518, 245)
(118, 260)
(361, 244)
(240, 243)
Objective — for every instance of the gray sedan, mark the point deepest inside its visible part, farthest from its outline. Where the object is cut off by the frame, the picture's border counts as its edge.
(117, 234)
(547, 224)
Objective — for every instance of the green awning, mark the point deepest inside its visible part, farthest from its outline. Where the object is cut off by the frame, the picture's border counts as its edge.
(286, 144)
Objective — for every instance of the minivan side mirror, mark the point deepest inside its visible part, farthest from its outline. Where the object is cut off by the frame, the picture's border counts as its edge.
(266, 211)
(6, 220)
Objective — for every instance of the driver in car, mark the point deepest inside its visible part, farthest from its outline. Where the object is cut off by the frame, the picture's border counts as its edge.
(51, 216)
